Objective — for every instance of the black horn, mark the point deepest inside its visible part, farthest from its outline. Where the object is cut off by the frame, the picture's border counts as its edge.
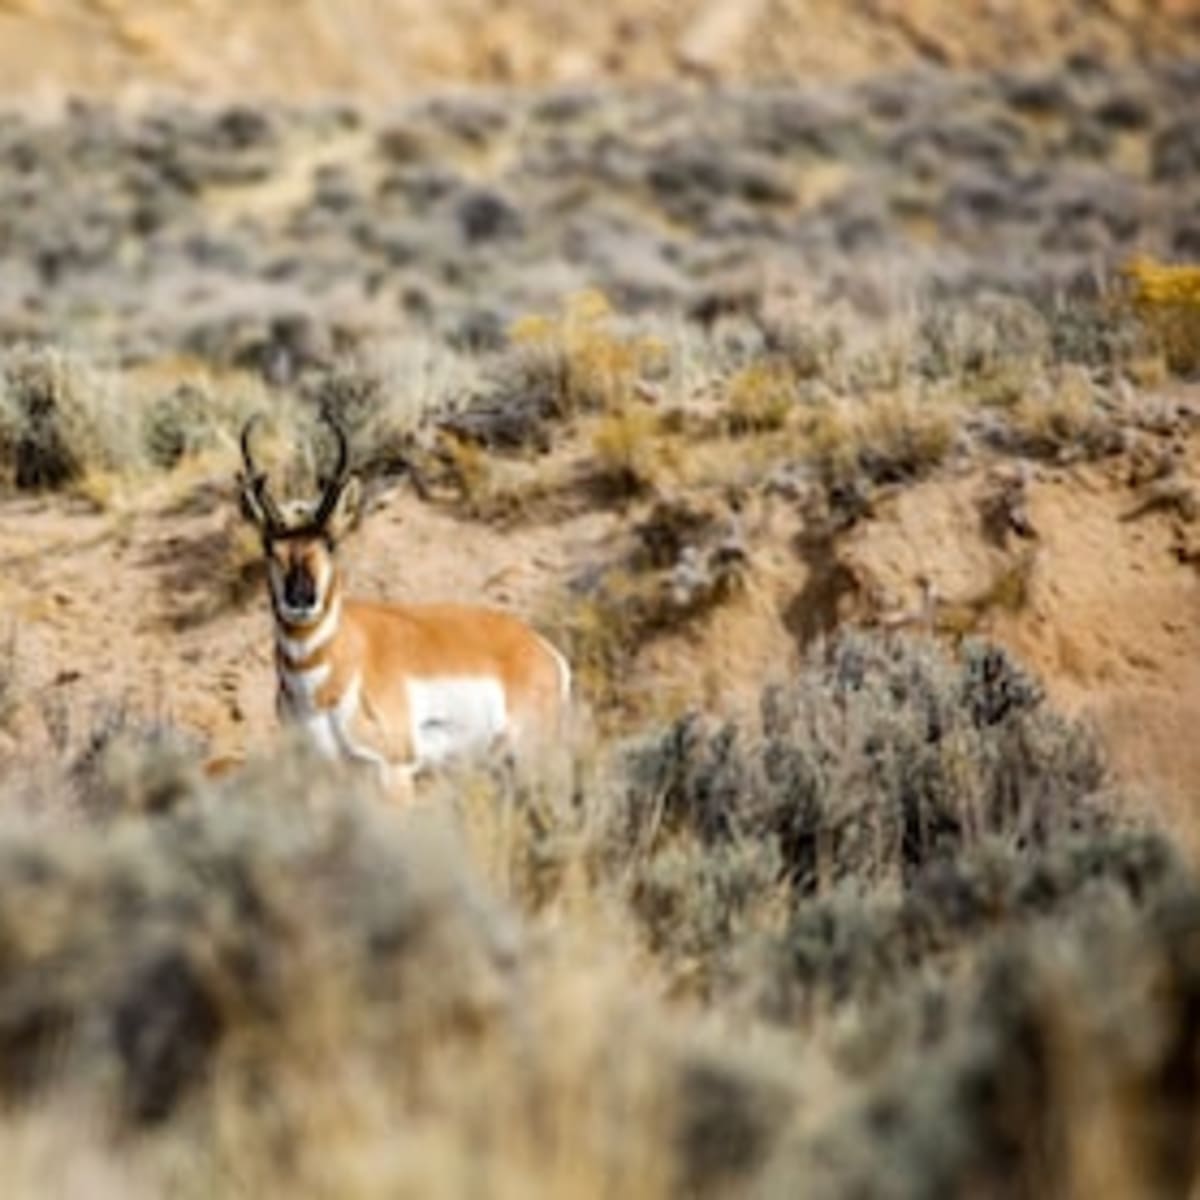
(247, 454)
(264, 509)
(333, 483)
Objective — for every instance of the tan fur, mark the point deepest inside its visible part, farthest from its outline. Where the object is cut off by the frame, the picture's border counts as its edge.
(388, 643)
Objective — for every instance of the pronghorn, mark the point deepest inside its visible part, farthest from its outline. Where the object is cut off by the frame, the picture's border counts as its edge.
(401, 687)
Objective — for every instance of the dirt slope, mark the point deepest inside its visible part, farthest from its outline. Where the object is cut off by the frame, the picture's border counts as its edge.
(112, 610)
(300, 47)
(1112, 620)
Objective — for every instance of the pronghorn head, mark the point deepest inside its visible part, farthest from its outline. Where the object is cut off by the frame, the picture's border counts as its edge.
(299, 540)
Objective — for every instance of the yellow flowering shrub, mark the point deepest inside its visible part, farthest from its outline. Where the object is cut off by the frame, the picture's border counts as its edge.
(1166, 299)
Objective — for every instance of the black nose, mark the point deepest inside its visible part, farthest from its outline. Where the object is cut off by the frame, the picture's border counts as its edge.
(299, 588)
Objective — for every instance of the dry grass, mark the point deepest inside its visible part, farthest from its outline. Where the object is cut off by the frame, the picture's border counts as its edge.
(761, 397)
(588, 359)
(61, 418)
(1063, 414)
(630, 452)
(683, 561)
(888, 436)
(68, 422)
(693, 964)
(10, 678)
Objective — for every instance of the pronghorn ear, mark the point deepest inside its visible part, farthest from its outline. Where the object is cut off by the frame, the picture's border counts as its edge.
(347, 510)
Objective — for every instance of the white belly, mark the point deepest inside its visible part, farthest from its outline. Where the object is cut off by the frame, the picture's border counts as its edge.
(448, 717)
(454, 715)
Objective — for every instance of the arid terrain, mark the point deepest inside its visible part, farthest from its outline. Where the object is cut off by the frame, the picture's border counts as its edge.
(303, 48)
(825, 381)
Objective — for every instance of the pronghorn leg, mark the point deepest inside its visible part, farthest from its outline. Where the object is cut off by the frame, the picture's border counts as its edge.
(399, 782)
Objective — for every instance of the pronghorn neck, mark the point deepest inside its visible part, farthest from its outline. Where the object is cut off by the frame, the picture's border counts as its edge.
(300, 644)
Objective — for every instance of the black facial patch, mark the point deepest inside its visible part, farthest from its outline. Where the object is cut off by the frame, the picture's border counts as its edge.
(299, 586)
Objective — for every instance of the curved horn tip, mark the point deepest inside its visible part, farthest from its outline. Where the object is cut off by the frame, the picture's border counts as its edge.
(255, 479)
(343, 449)
(252, 420)
(247, 430)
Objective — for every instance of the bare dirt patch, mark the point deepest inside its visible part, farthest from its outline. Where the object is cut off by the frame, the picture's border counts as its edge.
(1111, 620)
